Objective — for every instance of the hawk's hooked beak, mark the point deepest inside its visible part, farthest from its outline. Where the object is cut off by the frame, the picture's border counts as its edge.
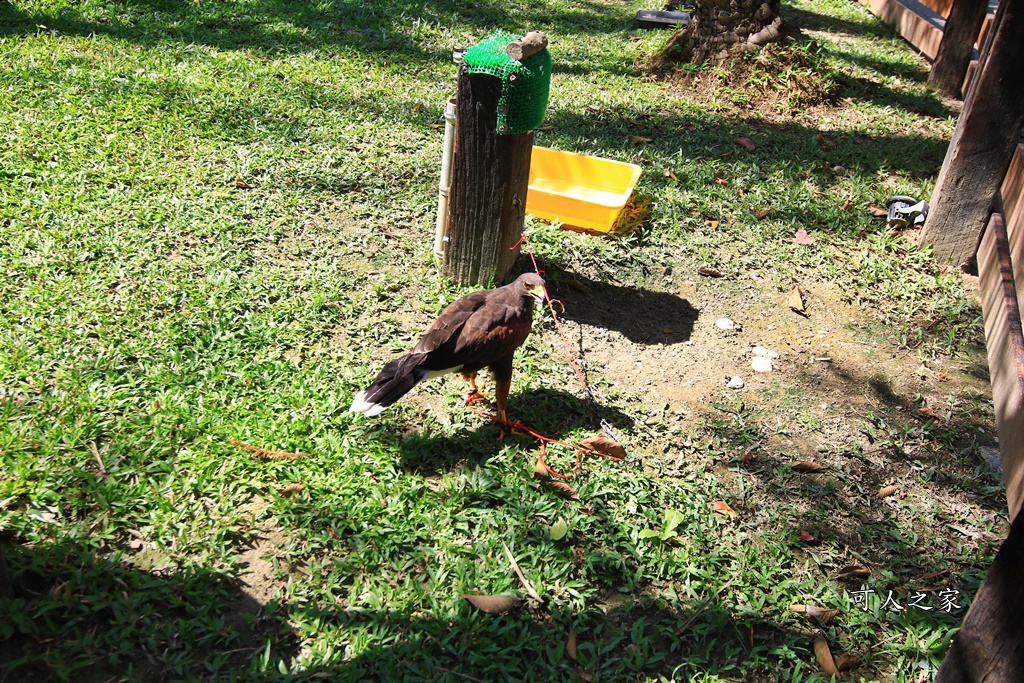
(540, 295)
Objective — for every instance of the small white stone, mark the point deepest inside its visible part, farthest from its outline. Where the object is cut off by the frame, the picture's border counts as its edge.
(762, 352)
(735, 383)
(761, 364)
(725, 324)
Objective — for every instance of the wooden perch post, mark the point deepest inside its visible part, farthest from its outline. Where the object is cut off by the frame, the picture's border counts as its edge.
(985, 138)
(490, 175)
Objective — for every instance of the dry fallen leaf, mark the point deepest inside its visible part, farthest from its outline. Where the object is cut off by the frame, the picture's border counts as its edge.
(639, 139)
(540, 470)
(561, 488)
(722, 181)
(519, 573)
(709, 271)
(435, 126)
(722, 508)
(887, 491)
(803, 238)
(291, 489)
(807, 466)
(820, 613)
(493, 604)
(241, 184)
(823, 140)
(712, 224)
(846, 205)
(761, 214)
(602, 444)
(824, 656)
(267, 453)
(795, 299)
(670, 174)
(807, 537)
(570, 645)
(847, 662)
(879, 212)
(417, 106)
(745, 142)
(853, 571)
(546, 128)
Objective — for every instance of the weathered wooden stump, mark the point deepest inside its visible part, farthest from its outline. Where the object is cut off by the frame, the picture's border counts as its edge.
(490, 175)
(502, 96)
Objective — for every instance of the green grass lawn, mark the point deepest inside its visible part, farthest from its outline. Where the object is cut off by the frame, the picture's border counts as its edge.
(216, 226)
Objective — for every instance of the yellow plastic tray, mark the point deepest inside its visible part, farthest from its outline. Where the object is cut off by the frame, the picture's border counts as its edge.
(578, 190)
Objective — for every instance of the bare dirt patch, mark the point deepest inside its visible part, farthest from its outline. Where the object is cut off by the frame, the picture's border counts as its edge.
(774, 82)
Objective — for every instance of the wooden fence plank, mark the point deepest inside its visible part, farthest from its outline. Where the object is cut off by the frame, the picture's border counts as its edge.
(986, 136)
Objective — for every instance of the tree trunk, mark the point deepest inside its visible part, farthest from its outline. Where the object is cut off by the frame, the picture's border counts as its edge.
(958, 38)
(490, 176)
(718, 28)
(987, 133)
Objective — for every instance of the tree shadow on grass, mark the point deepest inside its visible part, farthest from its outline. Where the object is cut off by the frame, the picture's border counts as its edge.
(812, 21)
(929, 459)
(644, 316)
(623, 639)
(84, 615)
(792, 147)
(295, 26)
(76, 614)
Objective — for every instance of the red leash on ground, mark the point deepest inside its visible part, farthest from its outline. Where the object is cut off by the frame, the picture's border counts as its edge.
(523, 239)
(544, 440)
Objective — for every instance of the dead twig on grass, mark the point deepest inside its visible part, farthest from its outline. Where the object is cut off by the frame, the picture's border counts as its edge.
(269, 454)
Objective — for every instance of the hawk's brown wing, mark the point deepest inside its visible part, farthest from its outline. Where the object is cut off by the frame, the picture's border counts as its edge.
(476, 331)
(451, 320)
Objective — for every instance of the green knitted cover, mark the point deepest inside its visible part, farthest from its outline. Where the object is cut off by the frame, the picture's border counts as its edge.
(524, 85)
